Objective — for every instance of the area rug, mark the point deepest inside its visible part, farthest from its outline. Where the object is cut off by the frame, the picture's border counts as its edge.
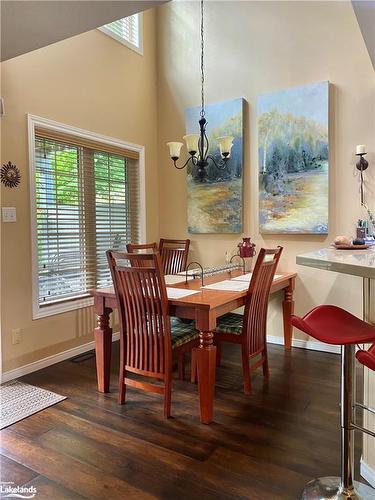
(19, 401)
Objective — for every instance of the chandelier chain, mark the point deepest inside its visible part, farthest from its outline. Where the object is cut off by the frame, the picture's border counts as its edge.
(203, 112)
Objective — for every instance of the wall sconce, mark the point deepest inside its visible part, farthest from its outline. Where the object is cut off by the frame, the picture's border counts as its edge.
(361, 165)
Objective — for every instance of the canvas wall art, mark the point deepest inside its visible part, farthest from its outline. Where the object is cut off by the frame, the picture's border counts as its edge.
(293, 160)
(215, 206)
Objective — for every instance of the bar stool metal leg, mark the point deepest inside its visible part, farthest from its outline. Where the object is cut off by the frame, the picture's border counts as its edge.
(342, 488)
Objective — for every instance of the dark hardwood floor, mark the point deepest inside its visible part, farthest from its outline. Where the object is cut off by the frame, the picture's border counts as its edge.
(264, 446)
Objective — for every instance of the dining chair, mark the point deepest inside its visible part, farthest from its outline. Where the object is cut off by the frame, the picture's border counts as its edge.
(148, 337)
(249, 329)
(141, 248)
(174, 255)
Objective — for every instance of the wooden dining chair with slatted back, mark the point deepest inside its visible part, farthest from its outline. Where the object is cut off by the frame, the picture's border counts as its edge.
(174, 255)
(142, 248)
(147, 339)
(249, 329)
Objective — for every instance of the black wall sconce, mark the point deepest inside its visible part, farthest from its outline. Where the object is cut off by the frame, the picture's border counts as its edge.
(361, 165)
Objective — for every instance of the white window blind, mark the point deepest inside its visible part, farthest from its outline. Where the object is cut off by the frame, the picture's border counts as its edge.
(87, 201)
(126, 30)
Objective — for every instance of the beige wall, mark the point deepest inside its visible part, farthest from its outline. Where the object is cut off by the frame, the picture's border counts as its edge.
(254, 48)
(95, 83)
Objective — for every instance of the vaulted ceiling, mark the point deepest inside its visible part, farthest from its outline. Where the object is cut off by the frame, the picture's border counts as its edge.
(30, 25)
(365, 12)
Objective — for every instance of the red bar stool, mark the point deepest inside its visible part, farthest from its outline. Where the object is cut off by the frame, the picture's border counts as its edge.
(333, 325)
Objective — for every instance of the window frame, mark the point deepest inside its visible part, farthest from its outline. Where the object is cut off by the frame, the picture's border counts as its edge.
(79, 302)
(130, 45)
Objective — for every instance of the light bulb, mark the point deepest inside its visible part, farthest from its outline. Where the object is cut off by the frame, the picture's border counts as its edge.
(225, 145)
(174, 149)
(191, 143)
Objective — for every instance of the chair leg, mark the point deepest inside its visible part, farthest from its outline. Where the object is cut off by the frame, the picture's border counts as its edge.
(218, 353)
(121, 386)
(246, 370)
(181, 366)
(167, 395)
(266, 371)
(193, 367)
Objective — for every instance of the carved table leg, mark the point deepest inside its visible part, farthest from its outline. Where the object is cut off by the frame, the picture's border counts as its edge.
(206, 364)
(288, 309)
(103, 346)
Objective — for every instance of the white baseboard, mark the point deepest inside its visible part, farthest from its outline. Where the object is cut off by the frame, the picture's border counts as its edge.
(306, 344)
(75, 351)
(51, 360)
(367, 473)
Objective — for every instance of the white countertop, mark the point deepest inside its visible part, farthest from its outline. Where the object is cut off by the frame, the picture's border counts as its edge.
(354, 262)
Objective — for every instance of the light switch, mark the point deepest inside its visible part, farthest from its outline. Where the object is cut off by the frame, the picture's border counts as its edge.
(9, 214)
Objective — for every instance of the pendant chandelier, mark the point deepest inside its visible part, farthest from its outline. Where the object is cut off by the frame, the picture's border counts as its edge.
(197, 144)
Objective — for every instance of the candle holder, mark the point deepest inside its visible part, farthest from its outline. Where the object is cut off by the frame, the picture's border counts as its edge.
(362, 165)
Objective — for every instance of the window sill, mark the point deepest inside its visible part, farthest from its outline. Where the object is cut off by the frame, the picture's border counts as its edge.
(61, 307)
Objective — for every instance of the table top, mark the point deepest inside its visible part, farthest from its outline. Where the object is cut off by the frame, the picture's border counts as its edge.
(354, 262)
(207, 298)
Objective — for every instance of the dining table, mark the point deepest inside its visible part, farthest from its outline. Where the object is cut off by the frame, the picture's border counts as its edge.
(204, 307)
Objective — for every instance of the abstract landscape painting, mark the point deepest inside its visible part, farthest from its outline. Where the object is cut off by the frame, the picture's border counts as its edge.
(293, 160)
(215, 206)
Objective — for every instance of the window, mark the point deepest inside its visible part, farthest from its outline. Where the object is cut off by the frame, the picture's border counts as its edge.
(127, 30)
(86, 195)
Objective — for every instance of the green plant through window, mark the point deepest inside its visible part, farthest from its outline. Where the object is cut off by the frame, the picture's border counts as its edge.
(82, 210)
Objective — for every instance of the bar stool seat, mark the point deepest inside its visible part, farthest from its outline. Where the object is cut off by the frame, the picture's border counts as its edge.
(367, 358)
(333, 325)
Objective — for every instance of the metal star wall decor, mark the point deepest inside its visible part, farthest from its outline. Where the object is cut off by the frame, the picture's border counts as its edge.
(10, 175)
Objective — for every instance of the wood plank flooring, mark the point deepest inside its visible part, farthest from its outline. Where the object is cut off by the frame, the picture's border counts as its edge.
(263, 446)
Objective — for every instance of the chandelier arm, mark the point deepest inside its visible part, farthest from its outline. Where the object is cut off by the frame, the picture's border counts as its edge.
(185, 164)
(221, 165)
(207, 144)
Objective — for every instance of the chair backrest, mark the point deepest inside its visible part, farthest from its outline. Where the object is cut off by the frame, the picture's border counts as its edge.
(141, 248)
(255, 316)
(174, 255)
(145, 342)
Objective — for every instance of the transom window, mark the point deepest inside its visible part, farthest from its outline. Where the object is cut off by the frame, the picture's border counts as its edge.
(127, 31)
(86, 196)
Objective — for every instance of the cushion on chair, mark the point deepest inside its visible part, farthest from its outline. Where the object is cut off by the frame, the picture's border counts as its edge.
(230, 323)
(181, 332)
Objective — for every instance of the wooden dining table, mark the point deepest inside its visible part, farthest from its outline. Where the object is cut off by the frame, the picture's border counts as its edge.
(203, 307)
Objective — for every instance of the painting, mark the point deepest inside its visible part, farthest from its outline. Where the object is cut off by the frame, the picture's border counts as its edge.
(215, 205)
(293, 160)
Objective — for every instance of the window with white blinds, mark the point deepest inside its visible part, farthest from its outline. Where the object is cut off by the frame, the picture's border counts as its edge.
(127, 30)
(87, 199)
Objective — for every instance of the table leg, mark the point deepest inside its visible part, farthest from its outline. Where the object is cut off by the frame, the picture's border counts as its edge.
(288, 309)
(103, 347)
(206, 365)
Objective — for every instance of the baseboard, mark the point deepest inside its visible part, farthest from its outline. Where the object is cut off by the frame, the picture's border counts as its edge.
(75, 351)
(51, 360)
(367, 473)
(306, 344)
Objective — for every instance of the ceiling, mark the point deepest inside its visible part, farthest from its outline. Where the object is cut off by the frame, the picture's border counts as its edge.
(365, 12)
(30, 25)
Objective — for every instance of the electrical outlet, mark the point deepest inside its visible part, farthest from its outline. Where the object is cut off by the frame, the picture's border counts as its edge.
(9, 214)
(16, 336)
